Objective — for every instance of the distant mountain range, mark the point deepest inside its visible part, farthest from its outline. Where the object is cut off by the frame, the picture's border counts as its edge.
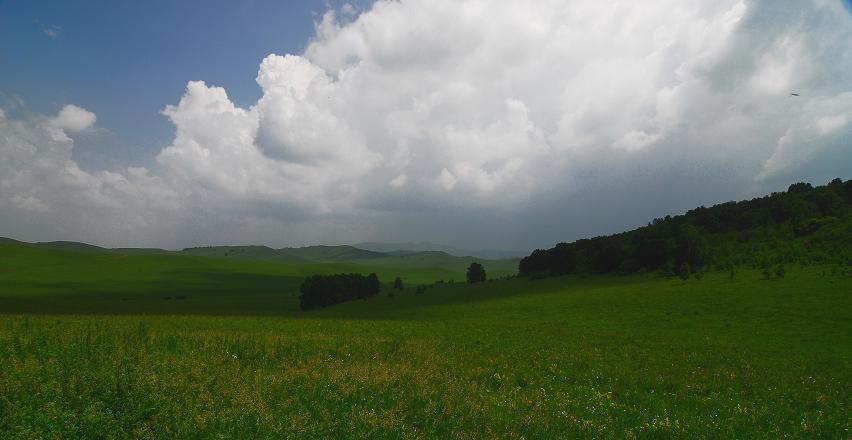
(403, 248)
(363, 251)
(308, 253)
(360, 251)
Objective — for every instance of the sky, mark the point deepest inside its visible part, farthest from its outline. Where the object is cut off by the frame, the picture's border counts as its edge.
(474, 123)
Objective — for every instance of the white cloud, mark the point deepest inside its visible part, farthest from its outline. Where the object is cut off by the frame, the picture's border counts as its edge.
(74, 119)
(398, 181)
(52, 31)
(42, 187)
(424, 107)
(823, 125)
(29, 203)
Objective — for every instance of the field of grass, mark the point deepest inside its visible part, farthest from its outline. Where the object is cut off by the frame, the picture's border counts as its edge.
(589, 357)
(35, 279)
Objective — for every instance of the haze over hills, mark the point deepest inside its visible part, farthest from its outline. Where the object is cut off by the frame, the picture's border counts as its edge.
(309, 253)
(420, 252)
(423, 246)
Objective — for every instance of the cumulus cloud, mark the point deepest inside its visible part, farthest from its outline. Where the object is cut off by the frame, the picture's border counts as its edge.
(516, 117)
(73, 118)
(43, 191)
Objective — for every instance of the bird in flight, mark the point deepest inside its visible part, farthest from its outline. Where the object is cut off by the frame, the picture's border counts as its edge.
(794, 94)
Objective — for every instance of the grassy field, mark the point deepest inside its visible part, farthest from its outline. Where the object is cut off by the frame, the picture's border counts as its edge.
(36, 279)
(620, 357)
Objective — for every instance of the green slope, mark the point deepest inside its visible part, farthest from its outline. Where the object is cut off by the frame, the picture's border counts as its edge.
(804, 225)
(70, 246)
(443, 261)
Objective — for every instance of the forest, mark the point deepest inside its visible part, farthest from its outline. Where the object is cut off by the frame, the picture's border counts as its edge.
(802, 225)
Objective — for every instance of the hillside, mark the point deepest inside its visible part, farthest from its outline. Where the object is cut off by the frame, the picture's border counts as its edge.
(70, 246)
(804, 225)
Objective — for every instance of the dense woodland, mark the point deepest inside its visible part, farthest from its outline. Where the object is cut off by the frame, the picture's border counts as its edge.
(325, 290)
(803, 225)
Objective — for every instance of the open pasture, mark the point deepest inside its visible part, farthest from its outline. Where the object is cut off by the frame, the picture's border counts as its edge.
(568, 357)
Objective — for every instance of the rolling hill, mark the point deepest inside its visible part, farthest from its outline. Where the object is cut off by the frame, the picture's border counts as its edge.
(73, 277)
(111, 343)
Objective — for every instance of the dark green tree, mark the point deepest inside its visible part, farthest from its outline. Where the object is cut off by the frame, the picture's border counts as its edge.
(397, 283)
(475, 273)
(373, 284)
(652, 253)
(692, 246)
(683, 270)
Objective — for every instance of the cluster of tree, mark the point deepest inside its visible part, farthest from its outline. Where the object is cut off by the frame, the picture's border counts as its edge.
(325, 290)
(751, 231)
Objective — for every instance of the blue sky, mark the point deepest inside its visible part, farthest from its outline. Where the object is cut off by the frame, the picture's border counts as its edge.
(475, 123)
(125, 60)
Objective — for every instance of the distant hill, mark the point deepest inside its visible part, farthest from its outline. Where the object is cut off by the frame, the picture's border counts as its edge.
(412, 266)
(69, 245)
(243, 252)
(331, 253)
(309, 253)
(139, 251)
(411, 248)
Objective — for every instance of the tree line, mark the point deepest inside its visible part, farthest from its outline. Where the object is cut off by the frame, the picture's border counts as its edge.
(324, 290)
(803, 223)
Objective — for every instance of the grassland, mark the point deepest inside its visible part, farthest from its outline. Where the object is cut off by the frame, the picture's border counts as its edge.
(590, 357)
(56, 279)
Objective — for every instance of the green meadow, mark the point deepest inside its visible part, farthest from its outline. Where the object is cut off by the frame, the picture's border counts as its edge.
(99, 345)
(50, 279)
